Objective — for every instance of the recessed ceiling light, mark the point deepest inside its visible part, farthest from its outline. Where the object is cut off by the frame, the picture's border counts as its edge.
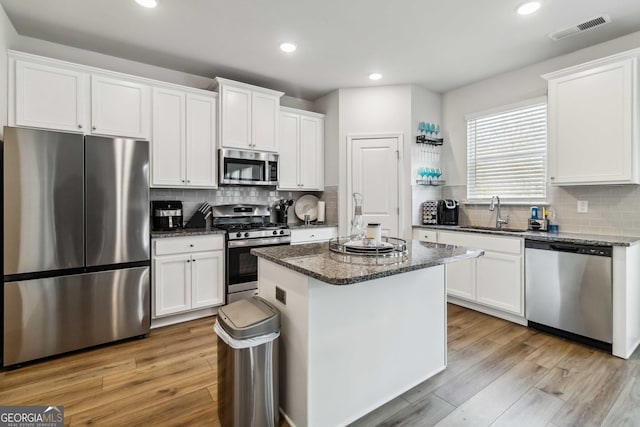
(528, 8)
(375, 76)
(288, 47)
(147, 3)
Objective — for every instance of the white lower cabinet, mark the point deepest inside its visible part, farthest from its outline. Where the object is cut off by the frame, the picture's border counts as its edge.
(494, 280)
(313, 235)
(188, 274)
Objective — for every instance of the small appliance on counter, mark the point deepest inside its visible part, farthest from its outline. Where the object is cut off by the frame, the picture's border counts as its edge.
(441, 212)
(167, 214)
(448, 212)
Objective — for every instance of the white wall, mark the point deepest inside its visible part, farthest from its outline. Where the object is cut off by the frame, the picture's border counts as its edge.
(613, 210)
(504, 89)
(426, 106)
(8, 37)
(385, 109)
(329, 105)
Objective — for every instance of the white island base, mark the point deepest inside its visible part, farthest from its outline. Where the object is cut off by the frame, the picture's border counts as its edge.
(347, 349)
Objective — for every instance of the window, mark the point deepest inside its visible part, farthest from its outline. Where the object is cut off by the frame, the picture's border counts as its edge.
(507, 153)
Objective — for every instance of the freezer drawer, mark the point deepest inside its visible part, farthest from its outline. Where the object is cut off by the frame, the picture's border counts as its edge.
(43, 317)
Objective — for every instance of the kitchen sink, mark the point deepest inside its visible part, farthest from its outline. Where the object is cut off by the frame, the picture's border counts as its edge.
(507, 230)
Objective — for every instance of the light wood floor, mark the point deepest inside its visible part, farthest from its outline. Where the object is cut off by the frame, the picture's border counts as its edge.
(499, 374)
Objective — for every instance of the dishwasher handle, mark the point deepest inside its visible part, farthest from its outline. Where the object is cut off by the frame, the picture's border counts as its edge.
(576, 248)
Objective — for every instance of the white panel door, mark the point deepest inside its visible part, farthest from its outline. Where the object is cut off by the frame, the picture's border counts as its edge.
(288, 162)
(207, 276)
(120, 108)
(499, 279)
(461, 279)
(265, 110)
(172, 284)
(374, 174)
(591, 118)
(201, 141)
(235, 113)
(168, 143)
(311, 155)
(52, 98)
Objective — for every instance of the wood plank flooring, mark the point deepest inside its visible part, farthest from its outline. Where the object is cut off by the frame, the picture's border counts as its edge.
(502, 374)
(499, 374)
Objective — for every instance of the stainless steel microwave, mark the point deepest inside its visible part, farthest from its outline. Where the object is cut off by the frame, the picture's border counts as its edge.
(240, 167)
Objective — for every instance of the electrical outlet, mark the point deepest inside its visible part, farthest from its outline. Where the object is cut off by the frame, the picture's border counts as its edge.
(281, 295)
(583, 206)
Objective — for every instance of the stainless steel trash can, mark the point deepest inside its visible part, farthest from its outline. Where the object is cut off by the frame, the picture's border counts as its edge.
(248, 332)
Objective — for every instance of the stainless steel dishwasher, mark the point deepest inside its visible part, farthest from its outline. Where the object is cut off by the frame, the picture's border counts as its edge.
(569, 291)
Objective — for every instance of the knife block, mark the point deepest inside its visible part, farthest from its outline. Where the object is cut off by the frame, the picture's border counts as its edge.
(198, 220)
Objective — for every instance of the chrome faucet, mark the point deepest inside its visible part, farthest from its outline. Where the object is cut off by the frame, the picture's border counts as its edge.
(495, 200)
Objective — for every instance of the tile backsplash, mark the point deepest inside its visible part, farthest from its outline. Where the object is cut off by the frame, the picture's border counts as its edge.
(613, 209)
(193, 198)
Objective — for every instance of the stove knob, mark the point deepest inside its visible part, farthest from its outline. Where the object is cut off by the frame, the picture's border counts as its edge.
(246, 234)
(281, 231)
(239, 235)
(275, 232)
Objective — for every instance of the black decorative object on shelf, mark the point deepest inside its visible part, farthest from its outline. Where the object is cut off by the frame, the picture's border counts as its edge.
(424, 139)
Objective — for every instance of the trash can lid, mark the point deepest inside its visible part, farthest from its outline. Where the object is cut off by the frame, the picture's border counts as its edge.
(248, 318)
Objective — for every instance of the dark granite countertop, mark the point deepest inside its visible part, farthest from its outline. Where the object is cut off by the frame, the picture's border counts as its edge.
(317, 261)
(582, 239)
(184, 232)
(314, 225)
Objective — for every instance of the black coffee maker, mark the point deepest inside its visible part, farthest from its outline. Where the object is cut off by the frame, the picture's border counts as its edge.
(166, 214)
(281, 208)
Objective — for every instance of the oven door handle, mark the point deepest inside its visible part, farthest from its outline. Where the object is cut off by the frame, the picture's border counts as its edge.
(258, 242)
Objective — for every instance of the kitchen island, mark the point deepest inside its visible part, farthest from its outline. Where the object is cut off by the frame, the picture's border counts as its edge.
(354, 336)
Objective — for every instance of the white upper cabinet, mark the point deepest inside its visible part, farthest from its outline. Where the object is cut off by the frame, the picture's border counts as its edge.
(593, 122)
(201, 140)
(301, 165)
(120, 107)
(51, 94)
(168, 145)
(248, 116)
(51, 97)
(184, 139)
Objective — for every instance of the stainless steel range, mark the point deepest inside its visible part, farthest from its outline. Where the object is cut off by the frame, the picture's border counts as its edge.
(247, 226)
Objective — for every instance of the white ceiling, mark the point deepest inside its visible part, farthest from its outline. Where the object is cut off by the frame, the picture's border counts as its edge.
(439, 44)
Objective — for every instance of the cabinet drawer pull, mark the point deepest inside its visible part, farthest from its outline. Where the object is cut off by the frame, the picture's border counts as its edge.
(191, 245)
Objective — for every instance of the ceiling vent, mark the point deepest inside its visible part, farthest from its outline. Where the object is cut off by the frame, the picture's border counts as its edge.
(587, 25)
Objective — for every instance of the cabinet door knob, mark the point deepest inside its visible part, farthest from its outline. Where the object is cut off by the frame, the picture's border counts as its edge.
(194, 260)
(79, 126)
(191, 245)
(552, 177)
(188, 181)
(93, 127)
(188, 260)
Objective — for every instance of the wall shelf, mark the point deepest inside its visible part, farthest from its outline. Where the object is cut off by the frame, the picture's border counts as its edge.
(424, 139)
(440, 182)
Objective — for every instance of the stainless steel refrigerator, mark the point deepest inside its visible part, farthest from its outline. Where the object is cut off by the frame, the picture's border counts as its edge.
(76, 242)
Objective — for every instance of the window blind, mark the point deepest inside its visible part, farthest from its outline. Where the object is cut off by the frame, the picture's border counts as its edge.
(507, 153)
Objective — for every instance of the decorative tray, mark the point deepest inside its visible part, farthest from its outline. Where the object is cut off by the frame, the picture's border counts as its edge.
(391, 250)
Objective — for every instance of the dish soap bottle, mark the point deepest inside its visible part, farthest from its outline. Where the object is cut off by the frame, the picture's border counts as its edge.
(357, 224)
